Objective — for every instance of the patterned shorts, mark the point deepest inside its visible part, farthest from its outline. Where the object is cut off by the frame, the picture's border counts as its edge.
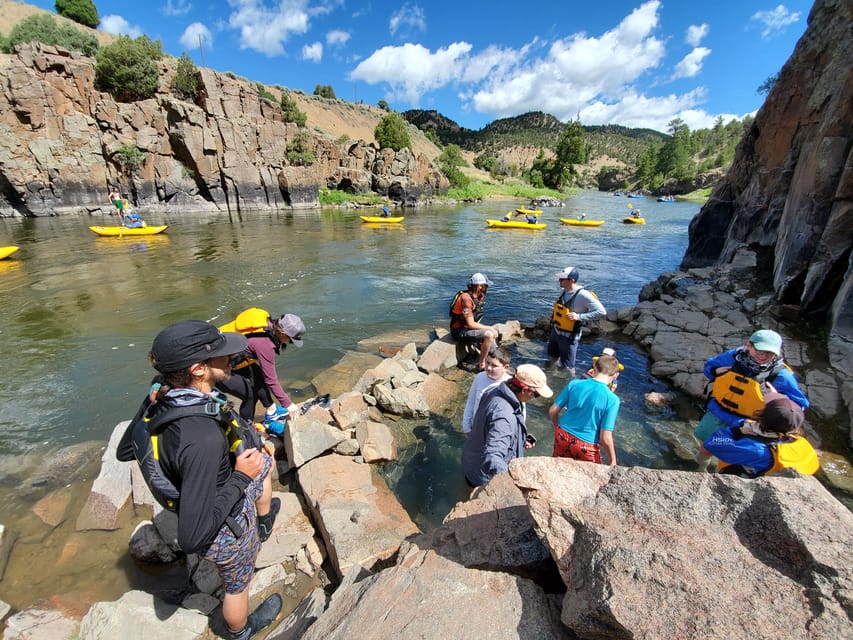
(567, 446)
(235, 557)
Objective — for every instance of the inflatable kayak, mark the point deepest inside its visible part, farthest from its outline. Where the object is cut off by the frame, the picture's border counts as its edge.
(633, 220)
(515, 224)
(382, 219)
(5, 252)
(524, 211)
(582, 223)
(126, 231)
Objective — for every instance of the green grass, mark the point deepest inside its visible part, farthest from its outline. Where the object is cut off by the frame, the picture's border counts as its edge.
(330, 196)
(476, 190)
(700, 195)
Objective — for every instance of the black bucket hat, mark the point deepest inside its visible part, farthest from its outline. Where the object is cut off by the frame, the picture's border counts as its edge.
(184, 343)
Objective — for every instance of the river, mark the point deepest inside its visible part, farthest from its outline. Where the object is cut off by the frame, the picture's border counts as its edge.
(78, 313)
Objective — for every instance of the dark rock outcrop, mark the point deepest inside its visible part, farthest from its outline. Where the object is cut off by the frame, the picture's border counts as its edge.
(789, 192)
(62, 143)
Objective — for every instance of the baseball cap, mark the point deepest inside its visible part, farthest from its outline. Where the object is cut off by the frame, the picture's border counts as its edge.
(781, 414)
(569, 273)
(766, 340)
(190, 341)
(293, 326)
(532, 377)
(479, 278)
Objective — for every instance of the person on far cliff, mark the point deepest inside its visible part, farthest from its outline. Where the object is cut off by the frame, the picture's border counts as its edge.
(740, 379)
(773, 442)
(499, 431)
(573, 309)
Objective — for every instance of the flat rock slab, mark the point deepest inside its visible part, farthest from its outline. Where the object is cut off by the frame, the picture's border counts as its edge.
(359, 518)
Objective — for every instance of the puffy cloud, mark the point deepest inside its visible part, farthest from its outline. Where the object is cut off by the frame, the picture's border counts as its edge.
(410, 17)
(696, 33)
(176, 7)
(266, 29)
(119, 26)
(691, 64)
(193, 34)
(775, 20)
(412, 69)
(313, 52)
(635, 110)
(337, 37)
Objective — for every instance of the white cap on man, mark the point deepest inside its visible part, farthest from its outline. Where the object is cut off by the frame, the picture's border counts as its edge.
(480, 278)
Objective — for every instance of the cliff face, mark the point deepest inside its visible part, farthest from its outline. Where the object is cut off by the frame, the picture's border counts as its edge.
(59, 139)
(789, 192)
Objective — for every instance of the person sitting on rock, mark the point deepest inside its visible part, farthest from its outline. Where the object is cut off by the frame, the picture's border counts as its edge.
(773, 442)
(466, 311)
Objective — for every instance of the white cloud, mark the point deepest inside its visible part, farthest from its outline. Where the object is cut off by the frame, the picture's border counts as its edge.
(176, 7)
(410, 17)
(691, 64)
(412, 69)
(192, 34)
(635, 110)
(696, 33)
(266, 29)
(337, 37)
(775, 20)
(119, 26)
(313, 52)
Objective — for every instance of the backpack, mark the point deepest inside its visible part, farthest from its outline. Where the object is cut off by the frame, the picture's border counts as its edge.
(145, 432)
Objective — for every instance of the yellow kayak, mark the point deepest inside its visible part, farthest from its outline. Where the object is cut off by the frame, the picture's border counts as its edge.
(582, 223)
(125, 231)
(515, 224)
(5, 252)
(633, 220)
(382, 219)
(524, 211)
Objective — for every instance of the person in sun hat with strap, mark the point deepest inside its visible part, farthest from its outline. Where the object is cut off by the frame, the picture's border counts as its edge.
(575, 307)
(499, 431)
(224, 504)
(466, 311)
(739, 380)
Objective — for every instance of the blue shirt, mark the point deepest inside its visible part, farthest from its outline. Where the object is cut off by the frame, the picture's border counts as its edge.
(590, 406)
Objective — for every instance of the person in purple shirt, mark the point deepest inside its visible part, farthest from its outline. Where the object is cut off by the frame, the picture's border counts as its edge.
(257, 378)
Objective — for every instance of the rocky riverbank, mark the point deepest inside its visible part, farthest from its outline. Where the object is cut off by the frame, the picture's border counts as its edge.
(535, 551)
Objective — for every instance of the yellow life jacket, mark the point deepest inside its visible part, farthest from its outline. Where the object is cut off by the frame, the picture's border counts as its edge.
(741, 394)
(560, 317)
(252, 320)
(591, 373)
(797, 453)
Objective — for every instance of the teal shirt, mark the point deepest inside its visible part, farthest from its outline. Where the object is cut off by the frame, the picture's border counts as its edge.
(590, 406)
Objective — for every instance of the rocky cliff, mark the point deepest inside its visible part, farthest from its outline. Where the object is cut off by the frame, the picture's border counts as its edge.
(60, 139)
(789, 193)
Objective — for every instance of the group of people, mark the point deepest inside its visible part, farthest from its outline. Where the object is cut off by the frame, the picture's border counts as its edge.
(753, 425)
(209, 463)
(126, 216)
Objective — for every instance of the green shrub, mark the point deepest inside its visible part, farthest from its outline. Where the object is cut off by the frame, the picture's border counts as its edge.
(44, 28)
(290, 111)
(129, 157)
(299, 152)
(128, 68)
(393, 132)
(263, 93)
(185, 83)
(325, 91)
(343, 139)
(82, 11)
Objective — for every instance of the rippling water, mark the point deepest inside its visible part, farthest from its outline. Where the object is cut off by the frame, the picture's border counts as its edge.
(78, 313)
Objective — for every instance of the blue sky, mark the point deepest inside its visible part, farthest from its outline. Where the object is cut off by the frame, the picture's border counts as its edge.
(639, 64)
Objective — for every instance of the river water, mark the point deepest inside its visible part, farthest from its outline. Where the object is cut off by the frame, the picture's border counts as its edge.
(78, 313)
